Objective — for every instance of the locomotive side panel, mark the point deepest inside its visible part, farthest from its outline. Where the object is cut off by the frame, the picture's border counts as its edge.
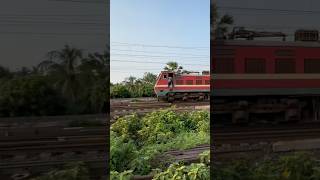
(185, 86)
(281, 81)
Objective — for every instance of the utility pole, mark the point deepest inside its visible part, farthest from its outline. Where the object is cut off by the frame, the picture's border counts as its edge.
(214, 19)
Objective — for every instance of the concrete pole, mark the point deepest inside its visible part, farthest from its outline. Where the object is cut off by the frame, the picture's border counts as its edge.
(213, 20)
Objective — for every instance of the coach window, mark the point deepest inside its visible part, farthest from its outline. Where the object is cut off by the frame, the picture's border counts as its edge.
(284, 53)
(198, 82)
(285, 66)
(179, 82)
(189, 82)
(207, 82)
(312, 66)
(255, 65)
(224, 65)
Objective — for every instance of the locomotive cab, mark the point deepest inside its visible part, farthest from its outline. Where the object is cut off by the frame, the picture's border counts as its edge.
(162, 84)
(172, 86)
(166, 75)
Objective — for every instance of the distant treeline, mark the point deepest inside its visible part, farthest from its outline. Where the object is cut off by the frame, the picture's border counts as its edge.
(133, 87)
(66, 82)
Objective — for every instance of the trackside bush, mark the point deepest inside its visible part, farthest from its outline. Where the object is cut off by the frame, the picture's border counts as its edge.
(296, 166)
(137, 141)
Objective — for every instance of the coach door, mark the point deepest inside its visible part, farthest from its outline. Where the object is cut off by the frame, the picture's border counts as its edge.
(171, 79)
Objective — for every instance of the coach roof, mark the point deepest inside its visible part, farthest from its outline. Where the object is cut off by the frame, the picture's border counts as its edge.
(266, 43)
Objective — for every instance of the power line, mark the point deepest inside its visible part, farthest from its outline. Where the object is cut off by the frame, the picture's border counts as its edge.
(50, 22)
(118, 70)
(154, 62)
(141, 55)
(57, 18)
(55, 34)
(78, 1)
(52, 15)
(268, 9)
(158, 52)
(204, 60)
(143, 69)
(149, 45)
(267, 14)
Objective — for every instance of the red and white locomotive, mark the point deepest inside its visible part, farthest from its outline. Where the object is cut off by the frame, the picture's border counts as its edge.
(269, 80)
(171, 86)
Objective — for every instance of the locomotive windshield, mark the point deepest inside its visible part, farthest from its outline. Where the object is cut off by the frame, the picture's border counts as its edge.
(165, 76)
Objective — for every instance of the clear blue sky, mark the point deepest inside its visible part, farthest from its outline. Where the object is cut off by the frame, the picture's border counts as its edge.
(150, 33)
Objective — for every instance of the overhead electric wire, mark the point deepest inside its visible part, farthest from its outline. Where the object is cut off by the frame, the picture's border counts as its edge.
(153, 62)
(156, 52)
(268, 9)
(149, 45)
(51, 22)
(263, 13)
(60, 34)
(143, 69)
(141, 55)
(79, 1)
(51, 15)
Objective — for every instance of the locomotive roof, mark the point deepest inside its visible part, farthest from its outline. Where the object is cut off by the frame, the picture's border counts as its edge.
(267, 43)
(189, 74)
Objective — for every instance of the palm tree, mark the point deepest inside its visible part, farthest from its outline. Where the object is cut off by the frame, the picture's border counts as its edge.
(62, 65)
(95, 78)
(97, 64)
(130, 81)
(149, 78)
(219, 25)
(173, 66)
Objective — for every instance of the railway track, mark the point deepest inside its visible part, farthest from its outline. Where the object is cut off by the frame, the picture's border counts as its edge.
(52, 121)
(120, 109)
(31, 168)
(243, 140)
(33, 151)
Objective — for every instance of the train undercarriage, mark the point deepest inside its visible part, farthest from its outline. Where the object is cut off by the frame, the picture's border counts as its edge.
(265, 109)
(186, 96)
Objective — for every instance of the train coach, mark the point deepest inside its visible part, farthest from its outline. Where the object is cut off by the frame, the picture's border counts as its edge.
(265, 80)
(172, 86)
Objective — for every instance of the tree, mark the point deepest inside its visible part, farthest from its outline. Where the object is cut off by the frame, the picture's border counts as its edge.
(173, 66)
(130, 80)
(62, 65)
(5, 73)
(149, 78)
(24, 71)
(94, 72)
(219, 25)
(119, 91)
(30, 96)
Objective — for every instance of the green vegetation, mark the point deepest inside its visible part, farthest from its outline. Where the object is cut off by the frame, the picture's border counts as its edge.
(133, 87)
(137, 142)
(198, 171)
(296, 166)
(219, 24)
(72, 171)
(173, 66)
(125, 175)
(66, 82)
(177, 171)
